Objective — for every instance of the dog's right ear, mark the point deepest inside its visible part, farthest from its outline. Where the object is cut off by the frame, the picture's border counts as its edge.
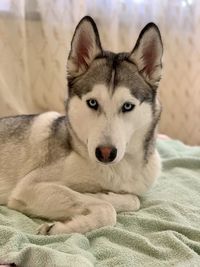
(85, 46)
(147, 54)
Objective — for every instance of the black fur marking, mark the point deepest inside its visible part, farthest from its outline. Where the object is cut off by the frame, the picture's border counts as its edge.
(150, 138)
(16, 127)
(59, 141)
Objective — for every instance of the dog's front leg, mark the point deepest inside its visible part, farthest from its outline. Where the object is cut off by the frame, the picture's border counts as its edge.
(80, 213)
(121, 202)
(95, 213)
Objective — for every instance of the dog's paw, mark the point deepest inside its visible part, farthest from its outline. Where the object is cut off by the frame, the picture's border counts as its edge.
(130, 202)
(55, 228)
(45, 228)
(123, 202)
(134, 203)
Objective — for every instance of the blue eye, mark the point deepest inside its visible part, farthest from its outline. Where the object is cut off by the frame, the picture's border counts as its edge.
(127, 106)
(92, 103)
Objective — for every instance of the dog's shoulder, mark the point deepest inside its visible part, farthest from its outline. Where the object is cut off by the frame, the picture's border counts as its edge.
(36, 126)
(47, 132)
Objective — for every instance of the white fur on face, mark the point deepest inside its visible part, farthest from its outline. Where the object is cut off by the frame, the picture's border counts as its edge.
(107, 126)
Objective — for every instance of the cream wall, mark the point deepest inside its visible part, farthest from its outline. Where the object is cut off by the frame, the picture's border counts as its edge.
(35, 39)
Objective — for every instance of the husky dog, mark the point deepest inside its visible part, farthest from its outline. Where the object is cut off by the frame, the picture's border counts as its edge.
(80, 169)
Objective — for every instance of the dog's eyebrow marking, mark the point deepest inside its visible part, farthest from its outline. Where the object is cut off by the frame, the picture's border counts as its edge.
(112, 81)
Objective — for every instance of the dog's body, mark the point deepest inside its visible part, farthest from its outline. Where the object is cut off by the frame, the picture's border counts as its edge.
(81, 168)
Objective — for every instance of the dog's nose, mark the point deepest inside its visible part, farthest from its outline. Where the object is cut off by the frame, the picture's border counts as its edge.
(106, 154)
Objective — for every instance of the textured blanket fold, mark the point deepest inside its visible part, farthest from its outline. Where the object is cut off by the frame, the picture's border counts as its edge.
(164, 232)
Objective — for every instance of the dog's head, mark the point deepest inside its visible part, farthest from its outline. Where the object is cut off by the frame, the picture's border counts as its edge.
(112, 96)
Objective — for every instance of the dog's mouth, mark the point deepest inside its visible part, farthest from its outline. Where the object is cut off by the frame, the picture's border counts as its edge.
(107, 164)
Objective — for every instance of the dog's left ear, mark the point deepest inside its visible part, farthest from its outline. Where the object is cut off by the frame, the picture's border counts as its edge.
(147, 54)
(85, 46)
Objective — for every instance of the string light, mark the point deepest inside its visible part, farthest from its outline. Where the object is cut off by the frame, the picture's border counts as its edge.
(185, 3)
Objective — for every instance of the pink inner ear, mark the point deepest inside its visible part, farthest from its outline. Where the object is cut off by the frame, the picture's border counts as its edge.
(82, 51)
(150, 56)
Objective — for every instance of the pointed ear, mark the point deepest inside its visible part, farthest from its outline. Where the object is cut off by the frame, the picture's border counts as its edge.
(147, 54)
(85, 46)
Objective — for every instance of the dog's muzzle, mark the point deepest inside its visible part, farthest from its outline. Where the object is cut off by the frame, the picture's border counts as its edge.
(106, 154)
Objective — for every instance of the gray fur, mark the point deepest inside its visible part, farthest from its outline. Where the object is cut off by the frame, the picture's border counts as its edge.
(15, 128)
(59, 141)
(150, 137)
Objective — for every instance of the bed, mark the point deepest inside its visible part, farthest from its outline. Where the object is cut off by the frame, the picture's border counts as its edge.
(164, 232)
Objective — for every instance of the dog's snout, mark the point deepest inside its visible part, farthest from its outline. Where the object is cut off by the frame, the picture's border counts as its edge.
(106, 154)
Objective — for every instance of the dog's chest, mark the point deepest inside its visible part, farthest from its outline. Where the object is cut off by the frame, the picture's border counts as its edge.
(82, 176)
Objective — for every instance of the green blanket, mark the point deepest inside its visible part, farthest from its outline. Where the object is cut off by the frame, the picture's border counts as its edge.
(164, 232)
